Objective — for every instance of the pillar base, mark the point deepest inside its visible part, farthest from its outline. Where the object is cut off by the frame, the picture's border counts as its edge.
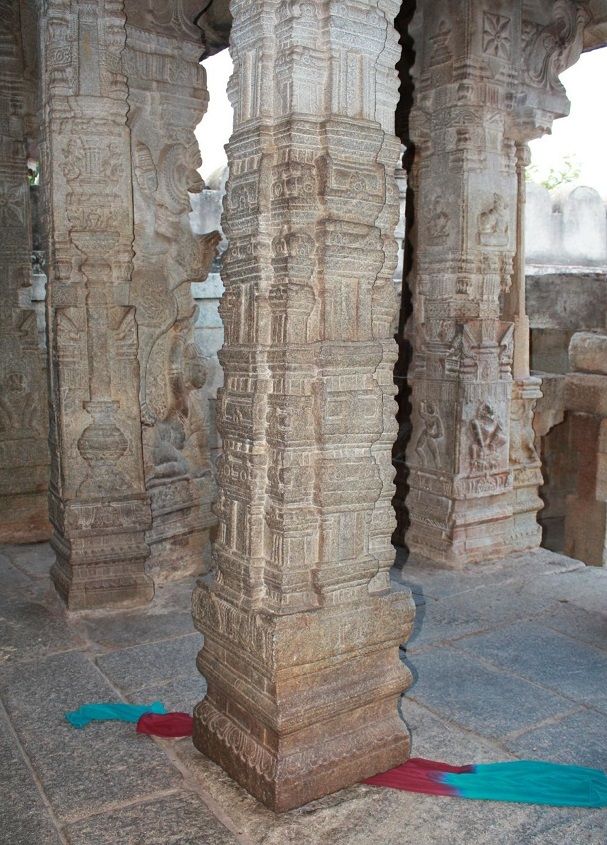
(88, 581)
(477, 530)
(302, 705)
(179, 538)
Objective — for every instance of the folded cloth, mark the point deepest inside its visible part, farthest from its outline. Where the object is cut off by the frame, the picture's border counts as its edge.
(111, 711)
(169, 724)
(523, 781)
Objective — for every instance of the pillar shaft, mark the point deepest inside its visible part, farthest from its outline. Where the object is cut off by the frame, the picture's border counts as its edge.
(98, 502)
(167, 98)
(464, 240)
(24, 460)
(301, 629)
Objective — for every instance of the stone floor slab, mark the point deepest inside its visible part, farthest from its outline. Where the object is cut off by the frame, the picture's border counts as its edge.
(149, 665)
(485, 700)
(584, 625)
(30, 628)
(81, 771)
(108, 785)
(121, 630)
(546, 657)
(24, 818)
(178, 694)
(178, 819)
(35, 559)
(13, 582)
(579, 739)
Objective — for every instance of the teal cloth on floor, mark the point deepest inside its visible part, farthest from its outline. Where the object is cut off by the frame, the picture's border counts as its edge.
(532, 782)
(117, 711)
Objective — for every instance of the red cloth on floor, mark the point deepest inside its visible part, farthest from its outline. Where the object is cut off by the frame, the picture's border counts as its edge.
(169, 724)
(416, 775)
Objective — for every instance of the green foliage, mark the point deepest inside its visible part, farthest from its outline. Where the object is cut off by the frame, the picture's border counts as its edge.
(568, 171)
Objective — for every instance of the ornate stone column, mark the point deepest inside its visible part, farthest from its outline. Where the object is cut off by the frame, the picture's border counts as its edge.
(301, 629)
(551, 39)
(24, 459)
(486, 77)
(167, 98)
(464, 184)
(98, 503)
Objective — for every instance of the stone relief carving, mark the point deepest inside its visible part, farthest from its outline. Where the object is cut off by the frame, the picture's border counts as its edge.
(168, 258)
(493, 223)
(487, 439)
(430, 436)
(497, 36)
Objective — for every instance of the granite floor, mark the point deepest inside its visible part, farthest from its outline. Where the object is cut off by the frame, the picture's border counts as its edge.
(509, 660)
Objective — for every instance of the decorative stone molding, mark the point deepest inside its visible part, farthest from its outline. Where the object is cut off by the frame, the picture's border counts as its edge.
(301, 629)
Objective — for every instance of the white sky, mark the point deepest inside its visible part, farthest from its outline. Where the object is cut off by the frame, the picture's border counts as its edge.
(214, 131)
(582, 135)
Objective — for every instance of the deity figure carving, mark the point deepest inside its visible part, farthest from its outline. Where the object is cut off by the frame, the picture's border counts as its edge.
(487, 439)
(493, 223)
(431, 434)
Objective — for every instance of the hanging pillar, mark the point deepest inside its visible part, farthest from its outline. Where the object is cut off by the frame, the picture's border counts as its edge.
(98, 502)
(167, 99)
(24, 459)
(301, 629)
(460, 498)
(486, 81)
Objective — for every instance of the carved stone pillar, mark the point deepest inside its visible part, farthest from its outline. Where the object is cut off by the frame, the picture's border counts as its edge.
(482, 72)
(167, 98)
(551, 38)
(98, 503)
(460, 499)
(301, 629)
(24, 459)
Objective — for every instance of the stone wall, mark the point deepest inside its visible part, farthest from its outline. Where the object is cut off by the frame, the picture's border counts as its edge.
(565, 228)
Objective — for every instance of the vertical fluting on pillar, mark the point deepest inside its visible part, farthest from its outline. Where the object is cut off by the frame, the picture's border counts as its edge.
(460, 499)
(24, 459)
(301, 629)
(167, 98)
(98, 504)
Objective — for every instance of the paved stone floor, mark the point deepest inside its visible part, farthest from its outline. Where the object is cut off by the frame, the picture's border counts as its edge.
(510, 660)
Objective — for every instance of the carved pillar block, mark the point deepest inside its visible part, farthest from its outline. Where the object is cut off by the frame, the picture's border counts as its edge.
(98, 503)
(24, 459)
(301, 629)
(167, 98)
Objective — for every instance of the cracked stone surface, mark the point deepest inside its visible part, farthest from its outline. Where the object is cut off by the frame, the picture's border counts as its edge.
(509, 662)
